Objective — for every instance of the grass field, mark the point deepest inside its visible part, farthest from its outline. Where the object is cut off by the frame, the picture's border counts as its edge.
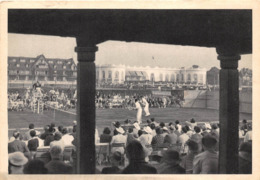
(104, 117)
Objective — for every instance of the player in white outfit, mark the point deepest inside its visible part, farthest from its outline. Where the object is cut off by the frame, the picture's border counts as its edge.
(146, 107)
(139, 111)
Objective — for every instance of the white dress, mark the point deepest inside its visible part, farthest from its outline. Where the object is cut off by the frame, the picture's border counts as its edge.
(139, 113)
(146, 107)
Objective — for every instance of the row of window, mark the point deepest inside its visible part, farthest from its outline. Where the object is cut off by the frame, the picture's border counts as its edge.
(110, 75)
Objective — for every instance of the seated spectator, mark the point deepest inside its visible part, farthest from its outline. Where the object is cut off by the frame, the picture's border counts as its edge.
(54, 127)
(106, 137)
(244, 127)
(136, 128)
(17, 160)
(60, 128)
(171, 138)
(207, 161)
(187, 162)
(171, 127)
(66, 138)
(162, 124)
(49, 136)
(118, 138)
(197, 137)
(131, 136)
(115, 159)
(245, 158)
(204, 131)
(146, 138)
(154, 122)
(58, 141)
(165, 131)
(158, 140)
(17, 145)
(189, 131)
(140, 132)
(46, 132)
(27, 134)
(177, 122)
(56, 165)
(137, 164)
(248, 136)
(152, 126)
(176, 131)
(214, 131)
(171, 163)
(33, 144)
(182, 139)
(35, 167)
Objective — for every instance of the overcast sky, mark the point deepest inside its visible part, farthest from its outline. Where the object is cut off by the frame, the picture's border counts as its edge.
(118, 52)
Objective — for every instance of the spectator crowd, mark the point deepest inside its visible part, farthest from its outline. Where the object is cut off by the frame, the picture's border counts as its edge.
(150, 148)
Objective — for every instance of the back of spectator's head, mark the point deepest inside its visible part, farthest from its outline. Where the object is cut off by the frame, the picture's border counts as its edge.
(117, 124)
(197, 129)
(60, 128)
(209, 142)
(56, 151)
(193, 146)
(192, 120)
(64, 131)
(46, 128)
(51, 129)
(106, 130)
(152, 126)
(57, 136)
(32, 133)
(152, 119)
(176, 127)
(170, 124)
(184, 129)
(246, 147)
(115, 158)
(171, 157)
(148, 121)
(74, 128)
(214, 126)
(135, 151)
(187, 127)
(177, 122)
(16, 134)
(115, 132)
(159, 130)
(162, 124)
(140, 132)
(130, 130)
(244, 121)
(31, 126)
(35, 167)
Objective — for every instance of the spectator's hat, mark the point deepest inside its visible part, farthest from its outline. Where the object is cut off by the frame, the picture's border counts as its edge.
(17, 158)
(147, 129)
(171, 156)
(136, 125)
(120, 130)
(165, 128)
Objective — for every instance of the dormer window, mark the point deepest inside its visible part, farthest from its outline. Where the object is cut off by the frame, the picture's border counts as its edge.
(17, 65)
(22, 60)
(64, 67)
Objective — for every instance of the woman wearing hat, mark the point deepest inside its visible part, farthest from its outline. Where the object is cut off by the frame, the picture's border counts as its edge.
(118, 138)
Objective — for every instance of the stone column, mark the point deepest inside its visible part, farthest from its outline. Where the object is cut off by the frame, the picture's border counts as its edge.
(86, 112)
(228, 112)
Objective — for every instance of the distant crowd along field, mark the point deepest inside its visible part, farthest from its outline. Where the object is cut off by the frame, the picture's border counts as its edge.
(66, 99)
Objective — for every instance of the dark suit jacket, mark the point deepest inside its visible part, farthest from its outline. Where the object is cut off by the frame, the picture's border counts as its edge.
(17, 145)
(139, 167)
(56, 166)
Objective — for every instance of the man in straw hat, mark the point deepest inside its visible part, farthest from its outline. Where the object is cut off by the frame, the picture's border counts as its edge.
(17, 160)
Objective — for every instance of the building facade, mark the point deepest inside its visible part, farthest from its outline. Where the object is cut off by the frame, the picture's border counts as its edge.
(119, 74)
(41, 69)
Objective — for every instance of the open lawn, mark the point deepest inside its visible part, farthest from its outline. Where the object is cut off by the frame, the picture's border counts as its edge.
(104, 117)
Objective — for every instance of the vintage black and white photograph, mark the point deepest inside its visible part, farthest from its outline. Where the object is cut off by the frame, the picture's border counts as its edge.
(130, 91)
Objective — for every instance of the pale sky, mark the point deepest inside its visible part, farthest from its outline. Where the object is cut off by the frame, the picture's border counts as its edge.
(118, 52)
